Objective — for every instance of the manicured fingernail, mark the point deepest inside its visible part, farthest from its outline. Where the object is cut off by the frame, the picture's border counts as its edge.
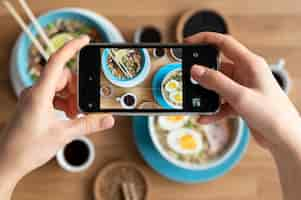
(197, 72)
(107, 122)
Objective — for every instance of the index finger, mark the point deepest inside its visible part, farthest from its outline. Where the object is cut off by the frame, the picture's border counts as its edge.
(231, 48)
(54, 68)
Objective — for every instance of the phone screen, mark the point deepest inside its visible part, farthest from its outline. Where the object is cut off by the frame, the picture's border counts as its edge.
(150, 78)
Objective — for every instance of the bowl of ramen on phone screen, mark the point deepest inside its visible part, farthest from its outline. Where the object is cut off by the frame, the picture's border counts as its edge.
(125, 67)
(186, 143)
(172, 88)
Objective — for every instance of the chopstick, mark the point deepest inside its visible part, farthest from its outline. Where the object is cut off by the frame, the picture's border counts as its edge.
(37, 25)
(119, 65)
(125, 191)
(129, 191)
(133, 191)
(124, 67)
(22, 24)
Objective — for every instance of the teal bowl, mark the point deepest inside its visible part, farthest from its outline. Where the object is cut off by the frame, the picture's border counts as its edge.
(131, 82)
(21, 50)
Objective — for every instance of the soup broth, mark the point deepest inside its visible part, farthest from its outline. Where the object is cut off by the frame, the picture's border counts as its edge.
(194, 143)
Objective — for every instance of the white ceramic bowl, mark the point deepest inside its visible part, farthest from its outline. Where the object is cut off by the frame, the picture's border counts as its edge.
(214, 163)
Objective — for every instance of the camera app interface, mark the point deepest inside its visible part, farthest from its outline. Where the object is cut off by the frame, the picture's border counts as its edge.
(141, 78)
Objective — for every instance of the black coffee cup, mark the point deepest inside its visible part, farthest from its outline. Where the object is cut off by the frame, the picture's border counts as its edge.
(76, 156)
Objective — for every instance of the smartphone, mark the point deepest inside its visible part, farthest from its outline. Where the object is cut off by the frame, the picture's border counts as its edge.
(133, 79)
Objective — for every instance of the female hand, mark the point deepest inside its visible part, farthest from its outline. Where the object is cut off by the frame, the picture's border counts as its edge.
(35, 134)
(248, 88)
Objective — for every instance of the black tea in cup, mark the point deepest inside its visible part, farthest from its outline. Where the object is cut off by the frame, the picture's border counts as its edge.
(129, 100)
(76, 153)
(159, 52)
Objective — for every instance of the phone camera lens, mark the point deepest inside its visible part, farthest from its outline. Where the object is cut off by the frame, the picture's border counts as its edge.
(195, 54)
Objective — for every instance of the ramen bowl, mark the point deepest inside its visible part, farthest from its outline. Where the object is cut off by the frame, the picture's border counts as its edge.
(171, 88)
(121, 79)
(20, 59)
(187, 163)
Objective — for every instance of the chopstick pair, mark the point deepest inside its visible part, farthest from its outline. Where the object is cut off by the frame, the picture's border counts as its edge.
(25, 28)
(120, 65)
(129, 191)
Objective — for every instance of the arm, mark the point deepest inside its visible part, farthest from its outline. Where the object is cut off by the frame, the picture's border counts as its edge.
(248, 89)
(34, 134)
(9, 178)
(288, 161)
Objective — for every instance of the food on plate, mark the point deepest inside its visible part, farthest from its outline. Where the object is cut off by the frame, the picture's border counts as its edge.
(184, 139)
(217, 137)
(172, 88)
(60, 32)
(172, 122)
(172, 85)
(125, 63)
(176, 97)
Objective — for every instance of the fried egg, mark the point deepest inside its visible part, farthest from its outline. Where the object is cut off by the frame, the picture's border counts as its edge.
(185, 141)
(172, 86)
(172, 122)
(176, 97)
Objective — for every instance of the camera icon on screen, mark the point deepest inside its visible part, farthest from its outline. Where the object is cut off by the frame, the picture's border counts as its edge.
(196, 102)
(195, 54)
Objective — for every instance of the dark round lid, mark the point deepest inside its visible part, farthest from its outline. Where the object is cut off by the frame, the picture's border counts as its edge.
(204, 20)
(150, 34)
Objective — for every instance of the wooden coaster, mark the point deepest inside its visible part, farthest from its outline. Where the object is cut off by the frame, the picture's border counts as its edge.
(196, 20)
(109, 181)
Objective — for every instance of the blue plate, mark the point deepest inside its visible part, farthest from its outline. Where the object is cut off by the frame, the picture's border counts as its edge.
(157, 81)
(172, 172)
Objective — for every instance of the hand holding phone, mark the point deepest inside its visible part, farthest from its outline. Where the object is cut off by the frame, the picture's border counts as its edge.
(145, 79)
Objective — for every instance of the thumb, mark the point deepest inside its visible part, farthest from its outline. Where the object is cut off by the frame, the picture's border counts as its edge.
(216, 81)
(89, 124)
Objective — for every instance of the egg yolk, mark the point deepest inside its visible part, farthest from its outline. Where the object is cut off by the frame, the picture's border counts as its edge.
(178, 98)
(172, 85)
(187, 142)
(175, 118)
